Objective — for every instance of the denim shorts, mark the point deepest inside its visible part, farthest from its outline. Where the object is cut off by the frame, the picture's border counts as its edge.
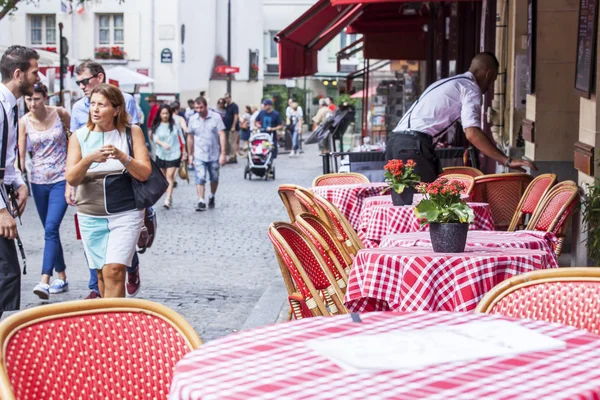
(206, 167)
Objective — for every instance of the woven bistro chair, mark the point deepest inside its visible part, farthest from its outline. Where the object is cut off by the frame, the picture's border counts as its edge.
(287, 193)
(569, 296)
(341, 227)
(534, 193)
(307, 200)
(474, 172)
(309, 270)
(552, 215)
(298, 307)
(69, 349)
(324, 240)
(503, 193)
(467, 180)
(340, 178)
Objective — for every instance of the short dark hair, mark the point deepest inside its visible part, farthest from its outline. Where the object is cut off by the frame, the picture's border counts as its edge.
(14, 58)
(201, 99)
(175, 105)
(91, 66)
(40, 88)
(190, 101)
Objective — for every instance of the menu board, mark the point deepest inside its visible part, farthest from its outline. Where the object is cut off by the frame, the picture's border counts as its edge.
(586, 46)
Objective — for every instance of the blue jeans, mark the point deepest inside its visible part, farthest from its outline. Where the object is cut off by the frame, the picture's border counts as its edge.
(93, 283)
(204, 168)
(51, 207)
(295, 137)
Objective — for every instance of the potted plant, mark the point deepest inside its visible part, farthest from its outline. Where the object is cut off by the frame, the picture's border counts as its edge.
(402, 179)
(447, 215)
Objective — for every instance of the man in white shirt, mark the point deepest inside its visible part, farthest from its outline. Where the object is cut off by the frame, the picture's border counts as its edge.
(439, 107)
(19, 68)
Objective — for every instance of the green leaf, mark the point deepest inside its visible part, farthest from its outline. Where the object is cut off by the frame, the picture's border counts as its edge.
(426, 209)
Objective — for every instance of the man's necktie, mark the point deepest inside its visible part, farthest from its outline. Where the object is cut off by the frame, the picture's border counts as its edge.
(15, 117)
(16, 130)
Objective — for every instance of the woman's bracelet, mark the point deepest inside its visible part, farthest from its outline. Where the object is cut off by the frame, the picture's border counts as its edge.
(126, 163)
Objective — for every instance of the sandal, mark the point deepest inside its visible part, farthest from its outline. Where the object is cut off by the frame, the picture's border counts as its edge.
(168, 203)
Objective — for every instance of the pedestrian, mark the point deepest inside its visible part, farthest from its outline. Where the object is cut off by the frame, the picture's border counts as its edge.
(168, 138)
(270, 122)
(19, 69)
(206, 150)
(253, 118)
(294, 121)
(331, 104)
(190, 110)
(245, 122)
(109, 221)
(43, 132)
(89, 75)
(288, 110)
(153, 104)
(232, 128)
(439, 107)
(177, 117)
(220, 108)
(318, 120)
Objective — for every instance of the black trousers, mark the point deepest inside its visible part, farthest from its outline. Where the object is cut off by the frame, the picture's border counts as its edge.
(417, 147)
(10, 276)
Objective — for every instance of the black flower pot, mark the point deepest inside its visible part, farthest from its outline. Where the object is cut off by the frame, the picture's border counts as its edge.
(403, 199)
(448, 238)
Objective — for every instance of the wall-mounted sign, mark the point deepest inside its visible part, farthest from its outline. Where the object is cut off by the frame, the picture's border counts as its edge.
(166, 56)
(585, 64)
(226, 69)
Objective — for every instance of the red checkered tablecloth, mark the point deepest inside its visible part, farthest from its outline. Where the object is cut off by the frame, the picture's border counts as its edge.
(533, 240)
(377, 221)
(274, 362)
(418, 279)
(349, 198)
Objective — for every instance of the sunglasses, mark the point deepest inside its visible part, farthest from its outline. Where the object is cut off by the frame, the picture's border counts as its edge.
(85, 81)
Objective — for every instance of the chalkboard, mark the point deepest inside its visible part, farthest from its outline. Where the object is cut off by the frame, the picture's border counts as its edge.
(586, 47)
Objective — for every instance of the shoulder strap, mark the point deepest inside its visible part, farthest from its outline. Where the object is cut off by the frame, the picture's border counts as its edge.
(129, 140)
(4, 143)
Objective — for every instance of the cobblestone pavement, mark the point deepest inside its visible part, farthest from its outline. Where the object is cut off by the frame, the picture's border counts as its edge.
(211, 267)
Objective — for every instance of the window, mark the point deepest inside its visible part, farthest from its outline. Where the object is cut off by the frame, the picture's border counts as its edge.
(42, 30)
(111, 29)
(272, 44)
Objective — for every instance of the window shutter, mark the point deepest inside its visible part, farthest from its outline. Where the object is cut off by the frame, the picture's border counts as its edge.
(132, 32)
(86, 36)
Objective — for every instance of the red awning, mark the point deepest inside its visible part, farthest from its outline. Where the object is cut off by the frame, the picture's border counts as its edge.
(300, 42)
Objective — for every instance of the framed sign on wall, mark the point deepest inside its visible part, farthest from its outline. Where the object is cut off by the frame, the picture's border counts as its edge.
(585, 65)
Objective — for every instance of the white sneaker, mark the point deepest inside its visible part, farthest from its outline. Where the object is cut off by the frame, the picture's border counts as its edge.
(59, 286)
(42, 290)
(291, 153)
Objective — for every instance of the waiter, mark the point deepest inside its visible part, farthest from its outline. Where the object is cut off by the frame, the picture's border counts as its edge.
(439, 107)
(19, 68)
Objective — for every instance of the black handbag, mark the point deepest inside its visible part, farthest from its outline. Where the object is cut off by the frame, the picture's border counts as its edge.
(149, 192)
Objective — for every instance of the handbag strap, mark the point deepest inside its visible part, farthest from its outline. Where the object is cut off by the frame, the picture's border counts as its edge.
(4, 143)
(129, 140)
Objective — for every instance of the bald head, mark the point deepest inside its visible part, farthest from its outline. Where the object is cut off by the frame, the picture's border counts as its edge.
(484, 67)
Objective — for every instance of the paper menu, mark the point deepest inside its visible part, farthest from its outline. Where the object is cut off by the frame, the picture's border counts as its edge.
(417, 348)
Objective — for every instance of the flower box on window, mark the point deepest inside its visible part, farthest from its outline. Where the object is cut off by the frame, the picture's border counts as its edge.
(110, 53)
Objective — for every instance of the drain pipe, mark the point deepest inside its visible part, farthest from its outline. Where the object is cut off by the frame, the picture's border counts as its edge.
(499, 101)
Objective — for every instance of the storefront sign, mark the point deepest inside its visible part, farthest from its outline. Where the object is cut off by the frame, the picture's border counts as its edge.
(166, 56)
(586, 47)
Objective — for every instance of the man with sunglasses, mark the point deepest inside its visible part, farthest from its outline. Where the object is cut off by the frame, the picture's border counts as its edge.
(89, 75)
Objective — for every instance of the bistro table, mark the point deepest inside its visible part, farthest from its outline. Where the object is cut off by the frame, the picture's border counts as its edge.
(276, 362)
(534, 240)
(377, 221)
(418, 279)
(349, 198)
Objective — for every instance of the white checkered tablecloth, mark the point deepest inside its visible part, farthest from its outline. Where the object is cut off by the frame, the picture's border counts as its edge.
(377, 221)
(349, 198)
(418, 279)
(274, 362)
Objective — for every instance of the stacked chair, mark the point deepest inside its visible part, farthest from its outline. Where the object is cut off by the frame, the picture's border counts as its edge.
(342, 178)
(474, 172)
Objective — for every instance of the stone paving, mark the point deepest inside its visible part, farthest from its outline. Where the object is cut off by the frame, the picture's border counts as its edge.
(211, 267)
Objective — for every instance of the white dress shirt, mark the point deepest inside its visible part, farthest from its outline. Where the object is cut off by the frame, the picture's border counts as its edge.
(442, 104)
(12, 175)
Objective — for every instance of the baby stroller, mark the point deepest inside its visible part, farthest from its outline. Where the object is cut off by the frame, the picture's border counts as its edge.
(260, 157)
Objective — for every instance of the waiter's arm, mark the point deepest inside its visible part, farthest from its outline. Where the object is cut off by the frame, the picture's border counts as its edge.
(485, 145)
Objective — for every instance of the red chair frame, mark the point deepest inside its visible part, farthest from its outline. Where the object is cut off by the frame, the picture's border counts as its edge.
(532, 197)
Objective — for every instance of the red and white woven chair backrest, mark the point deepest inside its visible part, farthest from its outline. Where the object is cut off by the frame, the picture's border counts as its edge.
(342, 178)
(340, 226)
(569, 296)
(474, 172)
(113, 348)
(287, 193)
(307, 199)
(308, 269)
(467, 181)
(534, 193)
(503, 193)
(554, 210)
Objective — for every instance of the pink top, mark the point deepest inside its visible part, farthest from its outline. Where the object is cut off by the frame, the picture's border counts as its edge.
(49, 152)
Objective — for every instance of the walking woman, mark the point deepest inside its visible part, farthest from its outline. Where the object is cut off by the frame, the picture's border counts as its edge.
(108, 219)
(43, 132)
(168, 138)
(245, 130)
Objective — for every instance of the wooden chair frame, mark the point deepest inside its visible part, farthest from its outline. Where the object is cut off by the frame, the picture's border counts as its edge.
(470, 179)
(11, 325)
(307, 199)
(316, 305)
(295, 298)
(503, 289)
(450, 170)
(340, 225)
(359, 177)
(342, 266)
(566, 186)
(287, 192)
(514, 223)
